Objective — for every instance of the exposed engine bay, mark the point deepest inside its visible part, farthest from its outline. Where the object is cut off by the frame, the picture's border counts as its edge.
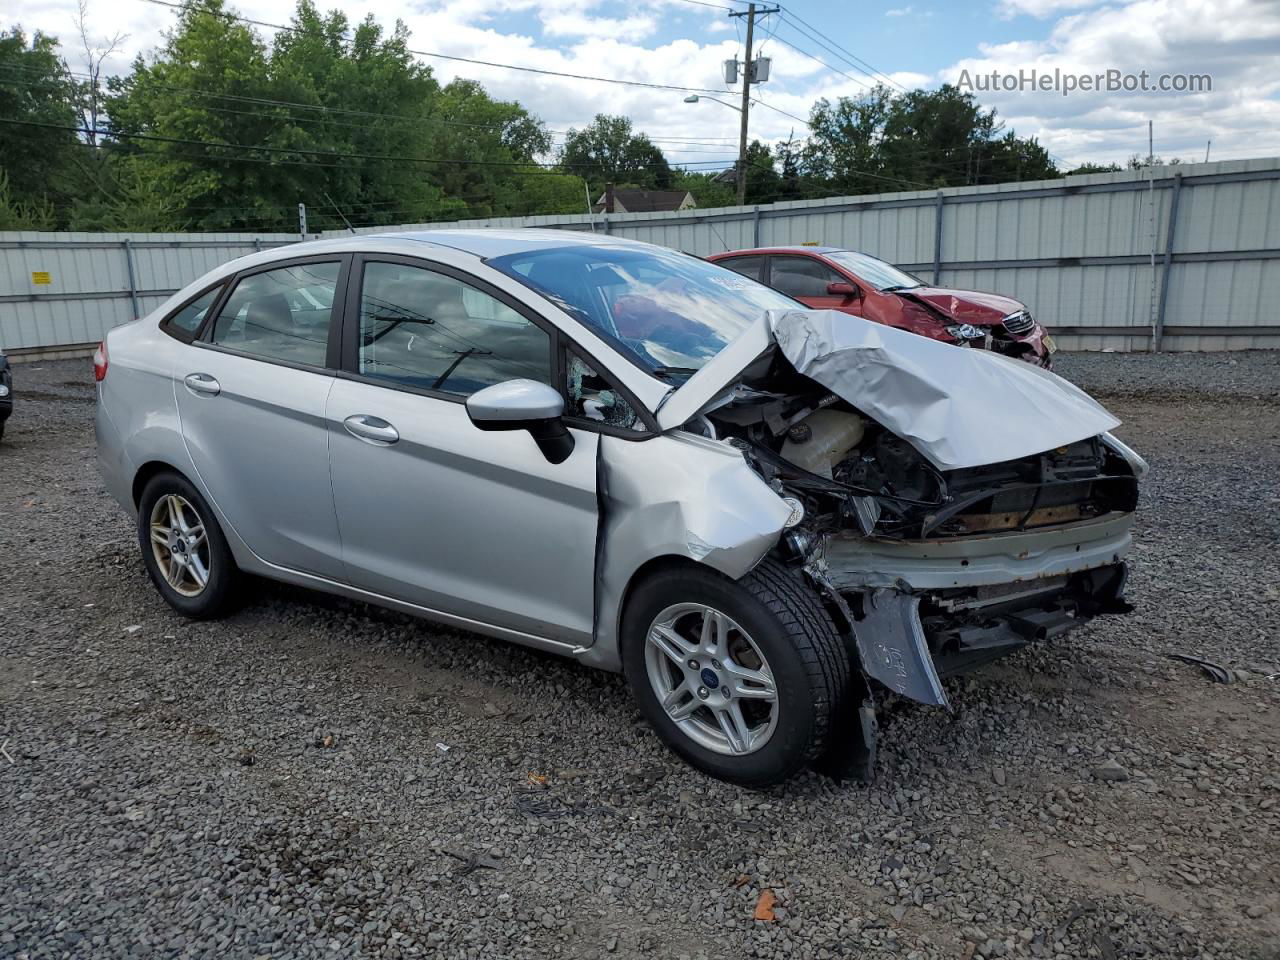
(934, 571)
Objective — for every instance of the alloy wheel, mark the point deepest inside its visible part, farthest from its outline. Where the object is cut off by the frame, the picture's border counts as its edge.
(711, 679)
(180, 545)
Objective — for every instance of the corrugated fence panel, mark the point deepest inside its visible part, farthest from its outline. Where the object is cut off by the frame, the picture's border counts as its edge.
(1077, 251)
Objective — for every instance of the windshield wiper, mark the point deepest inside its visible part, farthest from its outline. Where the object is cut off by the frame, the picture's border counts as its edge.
(668, 372)
(894, 288)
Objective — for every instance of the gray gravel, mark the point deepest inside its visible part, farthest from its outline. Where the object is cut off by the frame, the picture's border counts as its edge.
(314, 777)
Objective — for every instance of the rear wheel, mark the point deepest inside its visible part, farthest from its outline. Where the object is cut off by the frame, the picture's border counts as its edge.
(740, 678)
(184, 550)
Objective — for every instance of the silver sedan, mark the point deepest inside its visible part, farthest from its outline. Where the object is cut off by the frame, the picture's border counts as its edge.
(762, 515)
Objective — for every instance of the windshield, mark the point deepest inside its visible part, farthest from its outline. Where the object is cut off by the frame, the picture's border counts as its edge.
(668, 312)
(881, 275)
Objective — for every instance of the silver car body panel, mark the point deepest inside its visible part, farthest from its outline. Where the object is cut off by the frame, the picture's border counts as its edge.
(261, 453)
(479, 525)
(939, 398)
(676, 496)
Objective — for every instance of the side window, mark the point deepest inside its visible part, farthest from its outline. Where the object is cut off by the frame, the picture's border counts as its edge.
(747, 266)
(802, 276)
(281, 314)
(592, 397)
(423, 329)
(188, 319)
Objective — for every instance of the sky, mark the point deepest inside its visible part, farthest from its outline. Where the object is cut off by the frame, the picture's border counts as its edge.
(819, 48)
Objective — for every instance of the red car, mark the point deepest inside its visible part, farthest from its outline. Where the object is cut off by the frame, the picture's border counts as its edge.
(828, 278)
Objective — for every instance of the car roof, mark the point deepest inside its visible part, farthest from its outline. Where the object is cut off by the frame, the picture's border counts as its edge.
(785, 248)
(486, 242)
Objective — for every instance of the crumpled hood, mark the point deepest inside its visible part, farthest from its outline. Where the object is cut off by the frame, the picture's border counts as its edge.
(959, 407)
(965, 306)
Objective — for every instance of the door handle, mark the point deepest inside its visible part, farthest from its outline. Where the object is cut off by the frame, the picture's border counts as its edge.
(202, 383)
(371, 429)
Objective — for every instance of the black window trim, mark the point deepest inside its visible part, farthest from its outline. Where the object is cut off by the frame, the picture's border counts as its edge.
(349, 366)
(336, 317)
(184, 336)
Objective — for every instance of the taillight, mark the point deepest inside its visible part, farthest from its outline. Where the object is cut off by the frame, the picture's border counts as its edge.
(100, 361)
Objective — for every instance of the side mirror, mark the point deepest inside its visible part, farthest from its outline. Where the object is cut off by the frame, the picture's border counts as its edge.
(839, 289)
(524, 405)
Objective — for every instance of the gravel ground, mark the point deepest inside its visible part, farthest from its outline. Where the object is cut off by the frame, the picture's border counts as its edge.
(314, 777)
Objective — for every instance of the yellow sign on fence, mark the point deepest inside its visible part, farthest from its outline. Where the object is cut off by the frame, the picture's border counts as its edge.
(41, 277)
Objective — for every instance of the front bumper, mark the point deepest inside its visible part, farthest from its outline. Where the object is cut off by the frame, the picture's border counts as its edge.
(857, 562)
(923, 610)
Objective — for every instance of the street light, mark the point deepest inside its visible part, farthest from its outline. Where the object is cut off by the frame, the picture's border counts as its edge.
(694, 98)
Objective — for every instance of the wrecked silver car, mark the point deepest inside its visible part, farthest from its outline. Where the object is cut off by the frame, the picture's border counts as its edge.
(759, 513)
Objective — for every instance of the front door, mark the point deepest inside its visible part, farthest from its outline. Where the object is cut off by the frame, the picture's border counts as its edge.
(806, 279)
(433, 511)
(251, 397)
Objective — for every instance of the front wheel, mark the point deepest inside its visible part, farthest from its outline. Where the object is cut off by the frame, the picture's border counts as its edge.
(740, 678)
(184, 550)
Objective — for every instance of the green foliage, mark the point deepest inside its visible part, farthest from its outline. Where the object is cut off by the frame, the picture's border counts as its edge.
(608, 151)
(1095, 168)
(17, 214)
(34, 88)
(919, 139)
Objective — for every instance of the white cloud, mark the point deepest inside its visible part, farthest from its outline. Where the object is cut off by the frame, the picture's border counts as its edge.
(1233, 41)
(1008, 9)
(900, 12)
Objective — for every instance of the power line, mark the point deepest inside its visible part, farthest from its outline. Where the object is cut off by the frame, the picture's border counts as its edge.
(328, 154)
(196, 92)
(851, 58)
(471, 60)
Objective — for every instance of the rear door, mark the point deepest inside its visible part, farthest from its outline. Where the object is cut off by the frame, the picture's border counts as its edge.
(806, 279)
(433, 511)
(251, 396)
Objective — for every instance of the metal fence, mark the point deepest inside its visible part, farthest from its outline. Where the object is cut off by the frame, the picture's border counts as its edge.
(1078, 251)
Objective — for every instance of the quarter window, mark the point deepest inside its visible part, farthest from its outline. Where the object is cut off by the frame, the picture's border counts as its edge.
(593, 397)
(802, 276)
(189, 318)
(747, 266)
(423, 329)
(282, 314)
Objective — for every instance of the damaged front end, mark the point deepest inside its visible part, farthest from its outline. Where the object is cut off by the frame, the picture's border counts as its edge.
(954, 505)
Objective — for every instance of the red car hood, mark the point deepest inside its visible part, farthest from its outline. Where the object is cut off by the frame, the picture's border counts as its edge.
(965, 306)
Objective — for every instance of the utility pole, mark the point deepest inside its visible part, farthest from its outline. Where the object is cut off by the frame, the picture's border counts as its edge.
(748, 76)
(302, 220)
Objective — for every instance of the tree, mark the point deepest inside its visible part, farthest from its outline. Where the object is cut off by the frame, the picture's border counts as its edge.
(607, 151)
(707, 189)
(1094, 168)
(38, 102)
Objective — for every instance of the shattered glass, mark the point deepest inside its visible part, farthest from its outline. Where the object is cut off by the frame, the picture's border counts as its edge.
(592, 398)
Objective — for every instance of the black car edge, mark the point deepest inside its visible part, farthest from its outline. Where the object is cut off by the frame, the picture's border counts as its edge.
(6, 392)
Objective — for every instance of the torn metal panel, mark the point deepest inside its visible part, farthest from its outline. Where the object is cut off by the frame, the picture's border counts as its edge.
(946, 401)
(700, 391)
(893, 648)
(677, 495)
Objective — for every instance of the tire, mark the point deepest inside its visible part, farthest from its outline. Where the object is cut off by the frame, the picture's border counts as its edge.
(769, 630)
(197, 576)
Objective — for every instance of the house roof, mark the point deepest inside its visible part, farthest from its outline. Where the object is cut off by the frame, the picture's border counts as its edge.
(646, 201)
